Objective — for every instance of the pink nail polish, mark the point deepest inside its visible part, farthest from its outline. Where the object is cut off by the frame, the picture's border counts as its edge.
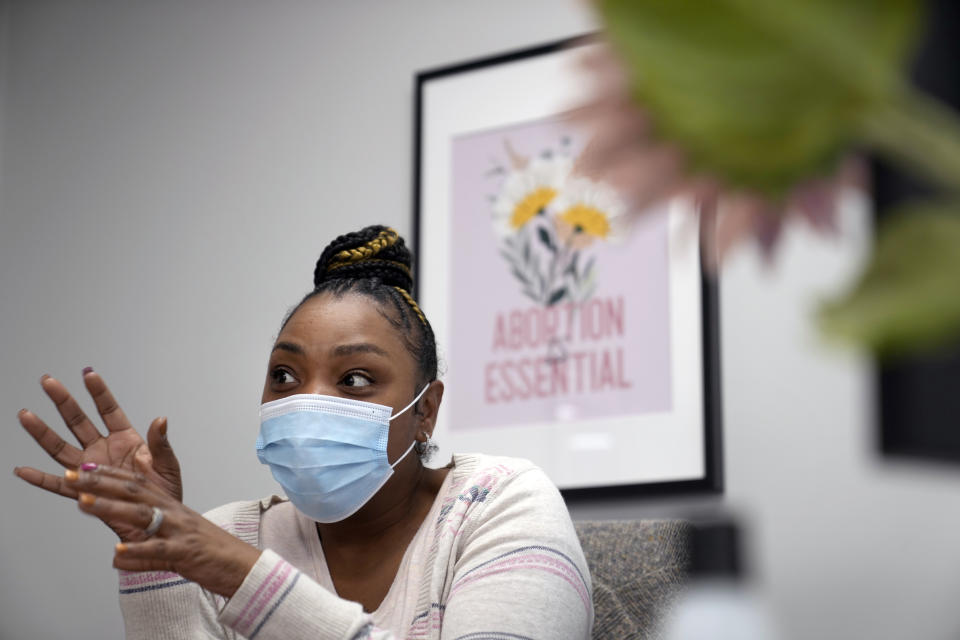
(88, 466)
(87, 370)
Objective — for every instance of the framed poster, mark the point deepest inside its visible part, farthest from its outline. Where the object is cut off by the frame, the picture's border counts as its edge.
(571, 331)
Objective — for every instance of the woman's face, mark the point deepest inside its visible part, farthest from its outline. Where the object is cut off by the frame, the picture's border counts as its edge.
(343, 346)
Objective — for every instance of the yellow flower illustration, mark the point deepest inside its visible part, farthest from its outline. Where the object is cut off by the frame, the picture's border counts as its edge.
(586, 219)
(587, 211)
(535, 202)
(527, 193)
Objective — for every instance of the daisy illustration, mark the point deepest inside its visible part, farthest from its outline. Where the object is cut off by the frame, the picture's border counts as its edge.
(528, 191)
(588, 211)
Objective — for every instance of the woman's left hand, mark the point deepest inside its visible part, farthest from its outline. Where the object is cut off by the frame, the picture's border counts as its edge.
(185, 543)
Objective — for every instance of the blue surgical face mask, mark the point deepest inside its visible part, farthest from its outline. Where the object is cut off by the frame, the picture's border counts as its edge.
(329, 454)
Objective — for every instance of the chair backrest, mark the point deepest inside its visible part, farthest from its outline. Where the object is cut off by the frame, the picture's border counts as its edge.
(637, 568)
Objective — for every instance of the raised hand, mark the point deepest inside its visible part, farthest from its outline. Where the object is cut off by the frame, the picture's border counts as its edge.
(122, 447)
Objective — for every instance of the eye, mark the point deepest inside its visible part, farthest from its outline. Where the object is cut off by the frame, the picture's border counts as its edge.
(280, 377)
(356, 379)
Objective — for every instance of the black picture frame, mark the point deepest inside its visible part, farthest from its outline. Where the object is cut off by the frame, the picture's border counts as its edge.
(711, 481)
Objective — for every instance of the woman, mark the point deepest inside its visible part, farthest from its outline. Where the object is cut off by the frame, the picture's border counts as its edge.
(370, 542)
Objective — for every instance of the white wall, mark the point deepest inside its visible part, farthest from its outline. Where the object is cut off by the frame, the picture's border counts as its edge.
(170, 172)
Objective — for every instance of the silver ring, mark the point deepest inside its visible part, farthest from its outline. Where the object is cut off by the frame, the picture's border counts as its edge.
(155, 522)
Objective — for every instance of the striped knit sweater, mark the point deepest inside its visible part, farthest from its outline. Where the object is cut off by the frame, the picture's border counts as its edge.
(503, 563)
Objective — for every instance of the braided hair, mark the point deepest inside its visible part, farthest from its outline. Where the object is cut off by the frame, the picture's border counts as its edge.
(375, 262)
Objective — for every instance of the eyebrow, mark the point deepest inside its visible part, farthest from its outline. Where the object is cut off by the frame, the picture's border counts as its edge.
(359, 347)
(289, 346)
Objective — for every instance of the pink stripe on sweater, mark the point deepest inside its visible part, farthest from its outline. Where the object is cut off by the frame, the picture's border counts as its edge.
(268, 595)
(427, 622)
(128, 579)
(424, 632)
(565, 575)
(537, 561)
(263, 585)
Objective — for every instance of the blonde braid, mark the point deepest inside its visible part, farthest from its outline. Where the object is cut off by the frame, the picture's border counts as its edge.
(413, 304)
(386, 238)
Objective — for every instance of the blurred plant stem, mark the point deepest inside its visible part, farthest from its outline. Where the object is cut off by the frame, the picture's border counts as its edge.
(919, 134)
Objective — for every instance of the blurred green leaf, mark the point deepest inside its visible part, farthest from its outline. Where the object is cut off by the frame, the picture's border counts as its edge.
(908, 298)
(763, 94)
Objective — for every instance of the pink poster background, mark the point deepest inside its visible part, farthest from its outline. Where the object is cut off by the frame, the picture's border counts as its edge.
(517, 362)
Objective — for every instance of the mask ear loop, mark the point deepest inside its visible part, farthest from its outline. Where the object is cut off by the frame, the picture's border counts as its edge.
(410, 448)
(419, 395)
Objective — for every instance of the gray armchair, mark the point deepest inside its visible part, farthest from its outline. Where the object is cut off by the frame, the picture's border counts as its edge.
(637, 568)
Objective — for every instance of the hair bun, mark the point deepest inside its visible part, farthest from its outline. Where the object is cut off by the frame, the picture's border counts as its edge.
(373, 252)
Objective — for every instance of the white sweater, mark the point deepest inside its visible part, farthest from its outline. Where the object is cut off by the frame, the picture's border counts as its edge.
(497, 558)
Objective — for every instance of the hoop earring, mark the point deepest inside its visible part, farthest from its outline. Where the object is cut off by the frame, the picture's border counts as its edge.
(427, 449)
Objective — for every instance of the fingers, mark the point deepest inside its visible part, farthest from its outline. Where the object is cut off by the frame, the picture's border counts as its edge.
(125, 562)
(165, 462)
(89, 469)
(113, 416)
(74, 417)
(55, 446)
(136, 514)
(154, 554)
(46, 481)
(118, 484)
(157, 548)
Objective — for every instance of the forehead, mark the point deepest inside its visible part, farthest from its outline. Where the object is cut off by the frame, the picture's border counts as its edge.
(326, 321)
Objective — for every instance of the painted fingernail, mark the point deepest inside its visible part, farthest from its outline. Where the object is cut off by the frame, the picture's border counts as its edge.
(70, 475)
(121, 548)
(87, 370)
(89, 466)
(87, 499)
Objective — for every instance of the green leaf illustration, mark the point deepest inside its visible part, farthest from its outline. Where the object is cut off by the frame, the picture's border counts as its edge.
(540, 279)
(572, 267)
(546, 240)
(519, 276)
(556, 296)
(588, 269)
